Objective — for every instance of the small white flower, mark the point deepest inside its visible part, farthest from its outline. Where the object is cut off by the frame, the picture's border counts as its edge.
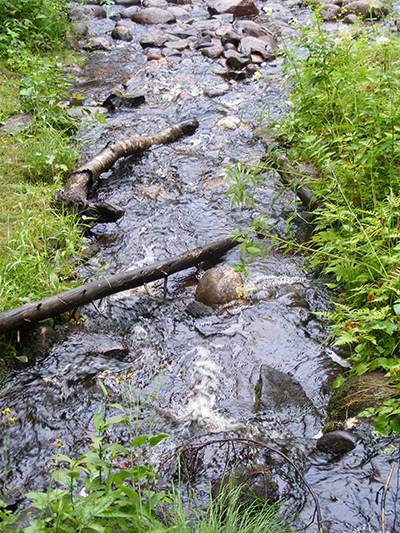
(294, 22)
(381, 41)
(267, 11)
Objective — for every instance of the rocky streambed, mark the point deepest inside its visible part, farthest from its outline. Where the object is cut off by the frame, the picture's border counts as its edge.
(254, 367)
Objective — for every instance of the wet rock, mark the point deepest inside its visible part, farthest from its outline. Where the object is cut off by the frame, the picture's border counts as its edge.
(336, 443)
(283, 402)
(228, 34)
(358, 393)
(235, 60)
(255, 483)
(257, 59)
(251, 29)
(330, 12)
(127, 23)
(16, 123)
(81, 29)
(155, 3)
(87, 12)
(180, 2)
(351, 19)
(251, 45)
(203, 42)
(213, 52)
(98, 43)
(154, 57)
(37, 341)
(118, 99)
(179, 12)
(199, 310)
(280, 12)
(153, 15)
(180, 44)
(154, 41)
(366, 10)
(218, 286)
(151, 192)
(129, 12)
(127, 2)
(219, 90)
(229, 123)
(121, 33)
(239, 8)
(71, 42)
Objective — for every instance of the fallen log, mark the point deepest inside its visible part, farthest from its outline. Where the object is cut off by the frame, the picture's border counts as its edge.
(293, 177)
(74, 197)
(30, 313)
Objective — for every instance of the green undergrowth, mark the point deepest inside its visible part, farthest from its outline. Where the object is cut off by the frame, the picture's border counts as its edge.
(112, 487)
(38, 243)
(345, 119)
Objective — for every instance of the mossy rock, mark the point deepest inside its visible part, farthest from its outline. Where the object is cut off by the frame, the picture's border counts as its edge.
(219, 285)
(358, 393)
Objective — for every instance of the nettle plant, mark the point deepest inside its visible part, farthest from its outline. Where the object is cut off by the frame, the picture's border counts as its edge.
(345, 119)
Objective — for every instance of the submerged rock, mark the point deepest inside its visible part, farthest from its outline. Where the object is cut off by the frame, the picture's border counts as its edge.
(284, 404)
(255, 482)
(218, 286)
(121, 33)
(37, 341)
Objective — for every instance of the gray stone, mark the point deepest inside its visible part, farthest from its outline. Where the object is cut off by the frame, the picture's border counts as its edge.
(199, 310)
(155, 3)
(129, 12)
(153, 15)
(252, 29)
(213, 52)
(280, 13)
(121, 33)
(228, 35)
(179, 12)
(98, 43)
(219, 90)
(81, 29)
(330, 12)
(284, 403)
(87, 12)
(235, 60)
(127, 23)
(154, 41)
(249, 45)
(180, 45)
(16, 123)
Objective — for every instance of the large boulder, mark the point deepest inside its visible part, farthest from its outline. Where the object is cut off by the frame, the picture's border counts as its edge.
(365, 9)
(153, 15)
(262, 46)
(239, 8)
(218, 286)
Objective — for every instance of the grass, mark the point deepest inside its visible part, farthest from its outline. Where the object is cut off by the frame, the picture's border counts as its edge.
(39, 245)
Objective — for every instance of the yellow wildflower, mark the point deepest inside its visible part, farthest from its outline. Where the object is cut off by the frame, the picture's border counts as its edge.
(119, 378)
(53, 464)
(129, 374)
(12, 419)
(58, 440)
(60, 445)
(6, 410)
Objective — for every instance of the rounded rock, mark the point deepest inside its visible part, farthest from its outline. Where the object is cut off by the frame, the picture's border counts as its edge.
(336, 443)
(218, 286)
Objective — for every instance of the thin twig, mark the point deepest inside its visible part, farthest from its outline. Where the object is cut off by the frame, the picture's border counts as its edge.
(384, 498)
(261, 444)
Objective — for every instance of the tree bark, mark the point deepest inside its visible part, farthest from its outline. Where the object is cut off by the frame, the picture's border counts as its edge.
(75, 194)
(294, 177)
(31, 313)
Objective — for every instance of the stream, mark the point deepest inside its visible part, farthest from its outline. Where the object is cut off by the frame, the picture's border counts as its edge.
(202, 370)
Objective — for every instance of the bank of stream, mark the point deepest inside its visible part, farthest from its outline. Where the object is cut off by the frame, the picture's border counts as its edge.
(203, 370)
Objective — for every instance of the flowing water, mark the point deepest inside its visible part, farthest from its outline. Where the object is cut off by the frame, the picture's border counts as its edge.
(203, 371)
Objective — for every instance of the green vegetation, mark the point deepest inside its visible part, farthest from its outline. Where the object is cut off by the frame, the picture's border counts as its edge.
(112, 488)
(345, 118)
(37, 243)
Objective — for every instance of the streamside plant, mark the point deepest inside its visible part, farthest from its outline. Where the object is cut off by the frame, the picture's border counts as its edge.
(345, 119)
